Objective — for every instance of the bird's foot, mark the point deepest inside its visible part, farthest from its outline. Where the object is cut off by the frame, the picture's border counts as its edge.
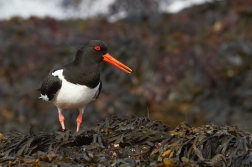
(64, 130)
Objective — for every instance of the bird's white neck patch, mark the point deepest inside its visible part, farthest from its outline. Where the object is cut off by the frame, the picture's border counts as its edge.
(58, 73)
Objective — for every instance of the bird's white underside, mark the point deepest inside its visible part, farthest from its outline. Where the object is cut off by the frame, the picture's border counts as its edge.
(71, 95)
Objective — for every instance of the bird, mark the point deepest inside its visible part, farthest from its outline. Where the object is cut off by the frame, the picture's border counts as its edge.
(77, 83)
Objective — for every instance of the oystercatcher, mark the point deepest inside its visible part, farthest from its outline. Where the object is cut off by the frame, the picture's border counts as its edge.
(76, 83)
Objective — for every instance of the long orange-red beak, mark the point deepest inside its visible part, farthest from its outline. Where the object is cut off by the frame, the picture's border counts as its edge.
(108, 58)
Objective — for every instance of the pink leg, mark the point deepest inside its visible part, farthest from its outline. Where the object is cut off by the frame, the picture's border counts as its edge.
(61, 119)
(79, 119)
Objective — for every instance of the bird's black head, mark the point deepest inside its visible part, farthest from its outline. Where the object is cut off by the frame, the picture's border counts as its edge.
(92, 52)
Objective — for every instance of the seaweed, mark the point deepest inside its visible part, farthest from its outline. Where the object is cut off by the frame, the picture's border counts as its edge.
(130, 142)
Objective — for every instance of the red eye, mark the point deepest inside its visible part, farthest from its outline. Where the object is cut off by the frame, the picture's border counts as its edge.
(97, 48)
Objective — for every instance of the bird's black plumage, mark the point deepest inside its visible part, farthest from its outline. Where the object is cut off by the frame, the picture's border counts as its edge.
(99, 91)
(88, 75)
(50, 86)
(83, 70)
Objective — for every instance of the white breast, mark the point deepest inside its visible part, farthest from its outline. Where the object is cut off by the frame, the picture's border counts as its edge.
(72, 95)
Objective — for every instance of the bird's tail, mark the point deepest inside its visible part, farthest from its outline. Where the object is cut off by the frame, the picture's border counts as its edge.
(39, 98)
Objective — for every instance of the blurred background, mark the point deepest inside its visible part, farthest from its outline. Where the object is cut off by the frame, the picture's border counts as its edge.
(191, 60)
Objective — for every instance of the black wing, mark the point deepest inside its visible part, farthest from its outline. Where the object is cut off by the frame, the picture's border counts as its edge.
(51, 84)
(98, 91)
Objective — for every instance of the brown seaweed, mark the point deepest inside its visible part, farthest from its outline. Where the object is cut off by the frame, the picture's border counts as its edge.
(130, 142)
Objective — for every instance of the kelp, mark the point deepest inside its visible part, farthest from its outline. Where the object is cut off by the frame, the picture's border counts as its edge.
(130, 142)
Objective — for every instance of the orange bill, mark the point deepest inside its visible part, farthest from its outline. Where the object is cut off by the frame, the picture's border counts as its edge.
(116, 63)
